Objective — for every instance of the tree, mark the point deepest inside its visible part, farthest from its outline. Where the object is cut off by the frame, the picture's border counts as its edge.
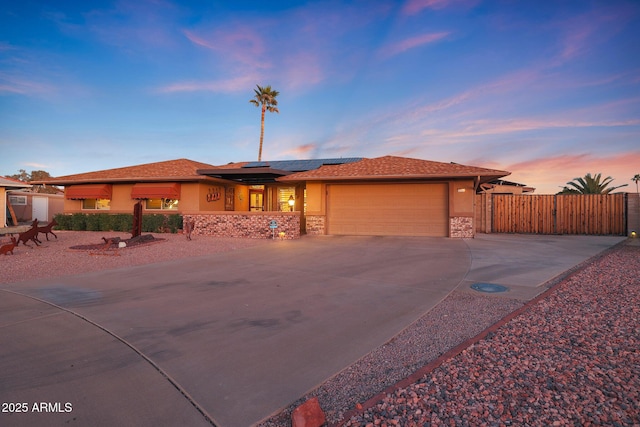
(265, 97)
(590, 185)
(636, 178)
(38, 175)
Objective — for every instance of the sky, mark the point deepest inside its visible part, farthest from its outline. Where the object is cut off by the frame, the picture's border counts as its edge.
(548, 90)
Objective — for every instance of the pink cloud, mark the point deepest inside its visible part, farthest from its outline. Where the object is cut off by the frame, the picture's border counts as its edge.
(413, 7)
(242, 45)
(302, 70)
(23, 86)
(410, 43)
(549, 174)
(301, 151)
(236, 84)
(583, 32)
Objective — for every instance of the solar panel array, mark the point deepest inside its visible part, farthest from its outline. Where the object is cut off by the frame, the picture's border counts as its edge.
(301, 165)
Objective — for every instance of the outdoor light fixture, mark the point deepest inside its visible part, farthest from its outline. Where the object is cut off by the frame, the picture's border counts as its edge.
(291, 203)
(633, 234)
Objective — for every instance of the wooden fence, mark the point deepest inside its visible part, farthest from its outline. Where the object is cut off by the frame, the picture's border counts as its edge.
(594, 214)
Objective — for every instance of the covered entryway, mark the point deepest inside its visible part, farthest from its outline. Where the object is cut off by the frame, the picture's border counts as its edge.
(388, 209)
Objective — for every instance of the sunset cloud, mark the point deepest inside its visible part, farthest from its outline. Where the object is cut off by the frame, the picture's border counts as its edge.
(550, 174)
(413, 7)
(411, 43)
(236, 84)
(23, 86)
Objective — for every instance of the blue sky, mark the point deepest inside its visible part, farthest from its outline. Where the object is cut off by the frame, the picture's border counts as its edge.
(548, 90)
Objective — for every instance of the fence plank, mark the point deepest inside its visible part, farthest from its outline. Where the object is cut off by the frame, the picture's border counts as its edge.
(595, 214)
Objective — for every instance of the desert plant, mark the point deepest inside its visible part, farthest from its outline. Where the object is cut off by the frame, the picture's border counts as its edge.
(590, 185)
(265, 98)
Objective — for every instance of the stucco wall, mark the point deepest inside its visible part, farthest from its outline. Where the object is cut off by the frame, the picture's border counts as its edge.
(3, 207)
(194, 196)
(251, 225)
(633, 213)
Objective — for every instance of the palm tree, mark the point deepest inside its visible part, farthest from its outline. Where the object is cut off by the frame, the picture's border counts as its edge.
(590, 185)
(636, 178)
(266, 98)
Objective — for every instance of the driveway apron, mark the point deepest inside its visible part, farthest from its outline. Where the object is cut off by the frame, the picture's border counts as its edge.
(243, 334)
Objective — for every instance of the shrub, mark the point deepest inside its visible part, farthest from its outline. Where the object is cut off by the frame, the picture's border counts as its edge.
(153, 223)
(64, 221)
(175, 222)
(122, 222)
(92, 222)
(78, 222)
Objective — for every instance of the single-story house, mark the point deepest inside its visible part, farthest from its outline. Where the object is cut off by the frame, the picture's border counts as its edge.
(29, 205)
(356, 196)
(392, 196)
(8, 184)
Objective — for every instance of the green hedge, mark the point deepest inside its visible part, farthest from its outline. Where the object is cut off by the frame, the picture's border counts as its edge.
(151, 223)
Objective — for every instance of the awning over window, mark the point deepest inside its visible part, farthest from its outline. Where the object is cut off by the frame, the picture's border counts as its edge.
(153, 190)
(94, 191)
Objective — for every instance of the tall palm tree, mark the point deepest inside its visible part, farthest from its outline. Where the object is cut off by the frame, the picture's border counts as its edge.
(590, 185)
(265, 97)
(636, 178)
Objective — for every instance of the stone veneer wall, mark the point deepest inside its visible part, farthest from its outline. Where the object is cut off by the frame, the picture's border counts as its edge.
(461, 226)
(315, 225)
(251, 225)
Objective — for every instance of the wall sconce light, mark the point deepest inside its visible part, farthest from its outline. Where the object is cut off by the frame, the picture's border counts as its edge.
(462, 190)
(634, 234)
(291, 202)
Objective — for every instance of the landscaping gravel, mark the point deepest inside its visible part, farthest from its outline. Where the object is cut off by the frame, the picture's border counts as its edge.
(56, 258)
(569, 358)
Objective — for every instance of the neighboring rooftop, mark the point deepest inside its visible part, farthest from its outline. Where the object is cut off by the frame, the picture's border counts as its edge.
(13, 183)
(392, 167)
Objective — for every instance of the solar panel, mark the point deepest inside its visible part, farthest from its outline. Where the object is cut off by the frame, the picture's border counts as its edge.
(301, 165)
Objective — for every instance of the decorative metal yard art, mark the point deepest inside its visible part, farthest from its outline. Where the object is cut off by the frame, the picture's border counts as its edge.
(30, 234)
(8, 248)
(47, 229)
(137, 219)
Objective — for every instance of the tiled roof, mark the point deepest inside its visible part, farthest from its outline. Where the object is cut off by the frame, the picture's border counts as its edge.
(13, 183)
(170, 170)
(392, 167)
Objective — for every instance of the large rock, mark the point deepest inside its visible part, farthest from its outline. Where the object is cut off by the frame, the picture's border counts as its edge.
(309, 414)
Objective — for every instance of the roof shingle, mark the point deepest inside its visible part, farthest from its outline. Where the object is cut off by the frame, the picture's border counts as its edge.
(170, 170)
(392, 167)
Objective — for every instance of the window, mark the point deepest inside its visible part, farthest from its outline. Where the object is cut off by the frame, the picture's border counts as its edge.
(96, 204)
(284, 194)
(18, 200)
(162, 204)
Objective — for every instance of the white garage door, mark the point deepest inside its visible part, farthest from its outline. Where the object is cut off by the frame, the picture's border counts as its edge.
(388, 209)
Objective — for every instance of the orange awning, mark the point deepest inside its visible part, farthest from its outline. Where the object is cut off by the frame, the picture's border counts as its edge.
(95, 191)
(153, 190)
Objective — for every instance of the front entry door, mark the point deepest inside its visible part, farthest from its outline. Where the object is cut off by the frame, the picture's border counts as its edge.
(256, 200)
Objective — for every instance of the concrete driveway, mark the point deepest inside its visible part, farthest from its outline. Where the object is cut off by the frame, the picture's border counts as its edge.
(230, 338)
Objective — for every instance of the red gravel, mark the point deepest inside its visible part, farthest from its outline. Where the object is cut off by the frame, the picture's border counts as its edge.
(56, 258)
(571, 357)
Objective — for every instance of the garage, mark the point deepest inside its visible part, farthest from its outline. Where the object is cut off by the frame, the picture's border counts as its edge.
(388, 209)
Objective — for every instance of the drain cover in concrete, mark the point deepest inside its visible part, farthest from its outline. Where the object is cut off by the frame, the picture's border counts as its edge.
(489, 287)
